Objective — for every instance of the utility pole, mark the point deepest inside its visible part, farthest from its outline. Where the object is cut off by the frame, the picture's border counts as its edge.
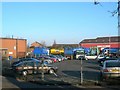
(118, 24)
(118, 17)
(17, 48)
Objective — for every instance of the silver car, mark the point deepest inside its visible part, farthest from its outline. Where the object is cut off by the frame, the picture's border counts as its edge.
(110, 69)
(33, 67)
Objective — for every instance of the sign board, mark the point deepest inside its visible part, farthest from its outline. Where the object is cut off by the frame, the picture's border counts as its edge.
(103, 46)
(10, 52)
(14, 47)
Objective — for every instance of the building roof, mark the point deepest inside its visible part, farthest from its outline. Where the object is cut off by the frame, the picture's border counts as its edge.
(64, 45)
(13, 38)
(36, 44)
(102, 40)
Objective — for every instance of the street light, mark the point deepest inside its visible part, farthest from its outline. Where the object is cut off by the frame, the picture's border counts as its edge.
(118, 17)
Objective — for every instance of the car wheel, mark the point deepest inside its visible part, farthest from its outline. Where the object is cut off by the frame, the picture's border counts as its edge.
(51, 71)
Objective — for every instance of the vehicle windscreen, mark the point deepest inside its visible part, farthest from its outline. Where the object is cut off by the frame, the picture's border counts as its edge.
(78, 52)
(113, 64)
(111, 58)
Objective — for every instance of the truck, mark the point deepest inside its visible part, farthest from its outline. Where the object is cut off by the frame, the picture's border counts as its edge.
(74, 53)
(38, 51)
(93, 53)
(79, 53)
(68, 53)
(111, 51)
(56, 51)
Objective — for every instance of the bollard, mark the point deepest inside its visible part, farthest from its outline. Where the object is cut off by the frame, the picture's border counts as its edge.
(81, 70)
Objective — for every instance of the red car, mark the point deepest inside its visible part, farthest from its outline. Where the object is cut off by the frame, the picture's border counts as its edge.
(54, 59)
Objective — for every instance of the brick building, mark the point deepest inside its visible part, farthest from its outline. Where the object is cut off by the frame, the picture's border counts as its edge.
(13, 47)
(101, 42)
(36, 44)
(33, 45)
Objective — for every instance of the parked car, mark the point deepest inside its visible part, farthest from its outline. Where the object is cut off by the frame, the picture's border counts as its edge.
(33, 67)
(100, 56)
(110, 69)
(24, 59)
(105, 58)
(46, 57)
(48, 61)
(54, 58)
(90, 57)
(62, 57)
(58, 58)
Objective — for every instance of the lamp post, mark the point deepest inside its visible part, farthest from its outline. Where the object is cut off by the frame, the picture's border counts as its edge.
(118, 17)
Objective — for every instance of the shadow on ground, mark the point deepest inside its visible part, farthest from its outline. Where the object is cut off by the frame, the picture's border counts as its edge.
(87, 75)
(46, 84)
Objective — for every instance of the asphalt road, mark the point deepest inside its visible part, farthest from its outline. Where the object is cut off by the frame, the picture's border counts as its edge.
(69, 70)
(68, 76)
(72, 68)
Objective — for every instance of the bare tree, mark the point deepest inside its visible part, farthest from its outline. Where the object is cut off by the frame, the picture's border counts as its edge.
(43, 43)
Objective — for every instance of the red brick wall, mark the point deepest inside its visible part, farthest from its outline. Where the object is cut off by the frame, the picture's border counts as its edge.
(10, 44)
(22, 47)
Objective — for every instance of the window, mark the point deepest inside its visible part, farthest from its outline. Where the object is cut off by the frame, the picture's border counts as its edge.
(113, 64)
(78, 52)
(37, 63)
(29, 64)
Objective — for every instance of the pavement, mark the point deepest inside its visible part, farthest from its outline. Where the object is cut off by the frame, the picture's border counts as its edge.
(9, 83)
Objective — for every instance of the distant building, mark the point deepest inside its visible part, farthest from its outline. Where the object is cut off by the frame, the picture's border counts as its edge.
(65, 46)
(32, 46)
(59, 48)
(36, 44)
(102, 42)
(13, 47)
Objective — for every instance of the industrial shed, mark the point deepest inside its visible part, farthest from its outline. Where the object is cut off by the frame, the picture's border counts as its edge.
(101, 42)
